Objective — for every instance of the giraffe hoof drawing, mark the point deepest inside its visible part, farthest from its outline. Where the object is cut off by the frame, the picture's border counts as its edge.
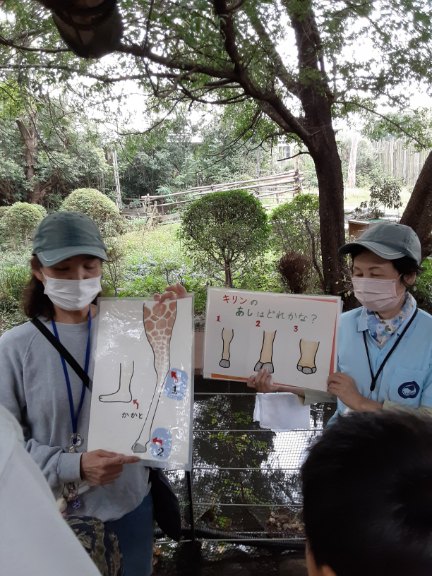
(138, 448)
(224, 363)
(266, 365)
(306, 369)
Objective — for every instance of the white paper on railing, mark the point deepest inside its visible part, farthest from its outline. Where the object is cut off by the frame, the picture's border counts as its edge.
(281, 412)
(142, 393)
(292, 336)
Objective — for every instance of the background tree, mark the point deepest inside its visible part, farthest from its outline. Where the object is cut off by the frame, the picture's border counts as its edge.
(47, 149)
(286, 66)
(226, 230)
(182, 153)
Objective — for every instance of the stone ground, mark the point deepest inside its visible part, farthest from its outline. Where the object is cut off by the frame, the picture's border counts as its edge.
(217, 559)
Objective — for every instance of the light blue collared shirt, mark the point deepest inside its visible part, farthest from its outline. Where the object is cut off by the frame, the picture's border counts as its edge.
(406, 378)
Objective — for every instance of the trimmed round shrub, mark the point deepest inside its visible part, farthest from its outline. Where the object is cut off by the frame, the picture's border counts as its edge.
(20, 220)
(225, 230)
(295, 224)
(98, 207)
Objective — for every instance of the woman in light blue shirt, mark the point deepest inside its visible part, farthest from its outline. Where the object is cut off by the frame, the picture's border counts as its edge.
(385, 346)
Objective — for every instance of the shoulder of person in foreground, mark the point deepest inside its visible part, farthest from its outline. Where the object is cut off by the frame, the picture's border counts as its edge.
(367, 501)
(34, 538)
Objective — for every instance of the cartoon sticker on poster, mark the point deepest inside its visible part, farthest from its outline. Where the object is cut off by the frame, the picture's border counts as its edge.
(143, 380)
(292, 336)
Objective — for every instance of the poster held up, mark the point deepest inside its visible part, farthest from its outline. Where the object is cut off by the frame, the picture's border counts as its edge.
(142, 392)
(292, 336)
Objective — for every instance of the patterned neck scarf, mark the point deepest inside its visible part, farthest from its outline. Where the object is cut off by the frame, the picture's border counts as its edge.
(381, 330)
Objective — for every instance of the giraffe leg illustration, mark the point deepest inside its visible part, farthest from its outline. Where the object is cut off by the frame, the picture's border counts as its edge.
(227, 337)
(158, 326)
(266, 356)
(123, 392)
(308, 352)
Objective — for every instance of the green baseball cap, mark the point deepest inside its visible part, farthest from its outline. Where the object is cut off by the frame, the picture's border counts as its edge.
(388, 240)
(62, 235)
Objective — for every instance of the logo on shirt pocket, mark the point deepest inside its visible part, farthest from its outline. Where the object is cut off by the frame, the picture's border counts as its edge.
(409, 390)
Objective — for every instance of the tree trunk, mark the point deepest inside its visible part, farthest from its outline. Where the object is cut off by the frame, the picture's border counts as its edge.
(352, 165)
(317, 101)
(228, 275)
(418, 212)
(330, 184)
(314, 258)
(30, 140)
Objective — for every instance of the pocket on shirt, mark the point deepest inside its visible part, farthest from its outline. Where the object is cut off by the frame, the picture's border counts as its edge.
(407, 386)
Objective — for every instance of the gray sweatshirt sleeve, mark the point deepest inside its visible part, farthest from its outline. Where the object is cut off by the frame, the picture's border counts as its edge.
(57, 465)
(17, 391)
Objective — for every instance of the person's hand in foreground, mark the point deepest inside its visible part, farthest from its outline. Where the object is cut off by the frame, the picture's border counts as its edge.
(345, 388)
(262, 381)
(100, 467)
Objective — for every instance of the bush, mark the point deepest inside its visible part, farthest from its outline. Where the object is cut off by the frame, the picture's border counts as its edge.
(384, 193)
(98, 207)
(296, 228)
(422, 290)
(261, 275)
(224, 230)
(14, 275)
(295, 270)
(19, 221)
(13, 279)
(294, 224)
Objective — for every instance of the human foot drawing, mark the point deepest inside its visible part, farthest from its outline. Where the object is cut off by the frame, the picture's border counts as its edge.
(123, 392)
(158, 325)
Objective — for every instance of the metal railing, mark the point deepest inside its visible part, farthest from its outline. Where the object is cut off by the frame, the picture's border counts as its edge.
(244, 486)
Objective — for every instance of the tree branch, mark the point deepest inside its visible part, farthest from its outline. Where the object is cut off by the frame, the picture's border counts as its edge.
(267, 45)
(11, 44)
(294, 156)
(384, 117)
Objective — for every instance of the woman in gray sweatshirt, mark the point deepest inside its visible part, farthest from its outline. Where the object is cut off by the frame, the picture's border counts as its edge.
(51, 401)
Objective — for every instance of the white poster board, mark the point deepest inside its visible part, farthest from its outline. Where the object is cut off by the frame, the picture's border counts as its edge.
(293, 336)
(142, 393)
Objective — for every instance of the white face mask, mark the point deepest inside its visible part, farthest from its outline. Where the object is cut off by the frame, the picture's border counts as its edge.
(72, 294)
(377, 295)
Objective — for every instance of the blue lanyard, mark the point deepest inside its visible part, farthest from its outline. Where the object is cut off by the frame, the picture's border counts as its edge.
(75, 415)
(374, 377)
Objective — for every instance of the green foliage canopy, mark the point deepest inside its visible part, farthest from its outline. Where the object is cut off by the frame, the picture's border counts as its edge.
(288, 66)
(225, 229)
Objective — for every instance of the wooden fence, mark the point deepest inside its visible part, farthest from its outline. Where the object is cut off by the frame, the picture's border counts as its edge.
(400, 159)
(166, 208)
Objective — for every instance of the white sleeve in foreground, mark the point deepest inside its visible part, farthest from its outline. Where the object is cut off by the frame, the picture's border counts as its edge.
(34, 538)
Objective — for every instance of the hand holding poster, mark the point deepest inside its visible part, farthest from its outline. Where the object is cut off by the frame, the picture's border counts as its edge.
(292, 336)
(143, 381)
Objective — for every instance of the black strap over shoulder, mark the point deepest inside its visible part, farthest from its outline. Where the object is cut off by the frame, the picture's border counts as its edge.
(374, 377)
(63, 351)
